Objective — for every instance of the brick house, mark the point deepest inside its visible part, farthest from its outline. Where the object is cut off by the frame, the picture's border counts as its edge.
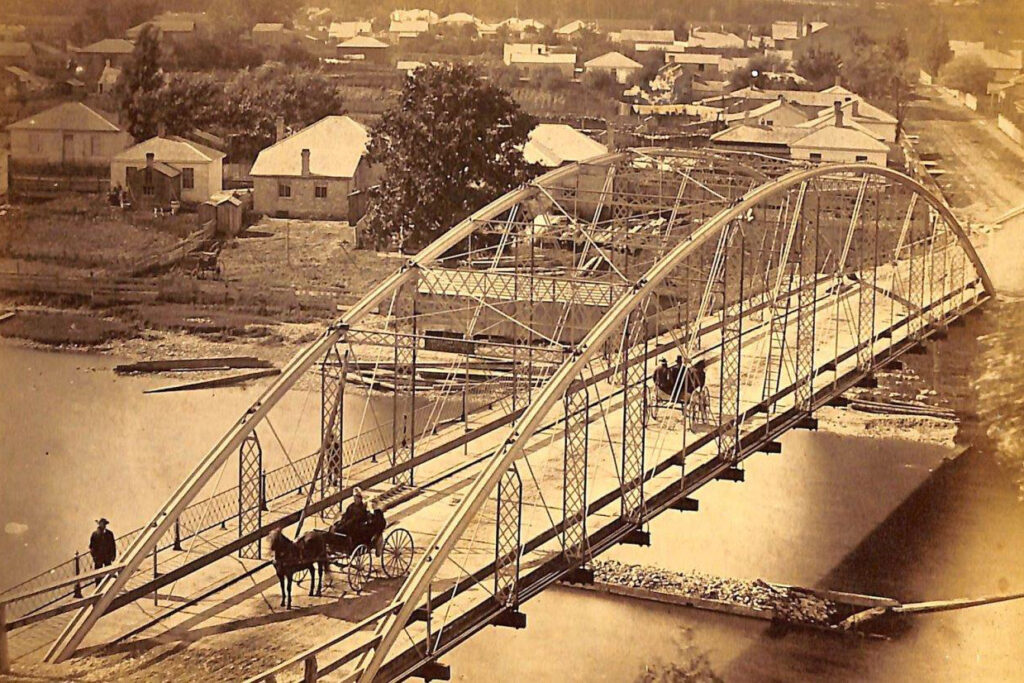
(314, 172)
(70, 134)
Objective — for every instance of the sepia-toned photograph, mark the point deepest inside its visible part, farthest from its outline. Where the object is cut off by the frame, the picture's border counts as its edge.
(501, 341)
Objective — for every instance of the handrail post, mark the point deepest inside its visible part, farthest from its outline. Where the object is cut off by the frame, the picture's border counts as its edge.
(263, 491)
(177, 534)
(5, 656)
(78, 570)
(309, 674)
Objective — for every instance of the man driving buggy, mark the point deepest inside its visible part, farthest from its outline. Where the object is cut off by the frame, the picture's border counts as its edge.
(354, 516)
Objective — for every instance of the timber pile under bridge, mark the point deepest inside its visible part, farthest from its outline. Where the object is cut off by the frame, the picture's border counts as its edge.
(495, 395)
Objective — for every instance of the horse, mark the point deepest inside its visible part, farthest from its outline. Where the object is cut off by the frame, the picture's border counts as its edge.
(308, 552)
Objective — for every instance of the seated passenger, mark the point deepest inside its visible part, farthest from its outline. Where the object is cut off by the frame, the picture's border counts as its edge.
(354, 516)
(374, 528)
(662, 378)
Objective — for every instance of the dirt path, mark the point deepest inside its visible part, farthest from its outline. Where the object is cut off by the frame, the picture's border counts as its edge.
(985, 170)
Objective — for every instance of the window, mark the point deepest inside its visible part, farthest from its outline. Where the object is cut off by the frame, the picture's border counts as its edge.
(320, 192)
(35, 143)
(862, 157)
(94, 145)
(815, 156)
(188, 178)
(284, 190)
(147, 183)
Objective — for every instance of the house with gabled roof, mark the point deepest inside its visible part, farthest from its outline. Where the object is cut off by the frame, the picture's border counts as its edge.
(573, 29)
(554, 144)
(315, 173)
(199, 169)
(364, 47)
(618, 65)
(343, 30)
(71, 133)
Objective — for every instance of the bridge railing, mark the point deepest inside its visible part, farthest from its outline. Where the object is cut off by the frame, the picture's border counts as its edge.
(216, 511)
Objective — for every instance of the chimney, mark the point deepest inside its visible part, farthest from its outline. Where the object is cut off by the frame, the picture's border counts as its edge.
(839, 81)
(279, 123)
(305, 163)
(161, 129)
(149, 159)
(839, 114)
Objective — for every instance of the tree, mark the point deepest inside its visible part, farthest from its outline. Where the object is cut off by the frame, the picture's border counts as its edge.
(451, 143)
(756, 72)
(936, 50)
(968, 73)
(819, 66)
(139, 83)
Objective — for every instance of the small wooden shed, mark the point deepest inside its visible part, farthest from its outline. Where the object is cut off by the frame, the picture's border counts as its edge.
(230, 210)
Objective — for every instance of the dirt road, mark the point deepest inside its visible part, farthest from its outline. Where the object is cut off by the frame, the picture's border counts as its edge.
(984, 169)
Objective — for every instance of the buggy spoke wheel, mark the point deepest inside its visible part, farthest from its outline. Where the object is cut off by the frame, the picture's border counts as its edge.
(396, 557)
(358, 568)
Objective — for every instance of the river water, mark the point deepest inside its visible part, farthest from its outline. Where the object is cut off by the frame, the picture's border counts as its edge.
(895, 518)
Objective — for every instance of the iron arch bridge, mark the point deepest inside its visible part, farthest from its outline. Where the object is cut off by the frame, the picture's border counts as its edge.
(503, 376)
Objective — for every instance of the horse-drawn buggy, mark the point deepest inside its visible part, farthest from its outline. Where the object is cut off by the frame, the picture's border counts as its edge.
(347, 548)
(354, 552)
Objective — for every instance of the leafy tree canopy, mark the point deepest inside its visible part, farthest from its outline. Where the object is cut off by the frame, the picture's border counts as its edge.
(451, 144)
(820, 67)
(967, 73)
(139, 83)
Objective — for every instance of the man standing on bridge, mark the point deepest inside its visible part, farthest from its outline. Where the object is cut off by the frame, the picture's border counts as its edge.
(102, 546)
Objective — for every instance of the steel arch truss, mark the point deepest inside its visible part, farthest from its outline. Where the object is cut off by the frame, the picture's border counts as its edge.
(796, 291)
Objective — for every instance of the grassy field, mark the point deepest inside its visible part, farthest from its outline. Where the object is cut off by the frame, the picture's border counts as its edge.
(82, 231)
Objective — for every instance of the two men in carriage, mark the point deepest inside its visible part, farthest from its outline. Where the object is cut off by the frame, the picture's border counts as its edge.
(360, 525)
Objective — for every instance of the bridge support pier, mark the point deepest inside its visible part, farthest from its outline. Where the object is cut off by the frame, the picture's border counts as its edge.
(579, 575)
(730, 474)
(510, 618)
(868, 382)
(637, 537)
(686, 505)
(838, 402)
(807, 423)
(434, 671)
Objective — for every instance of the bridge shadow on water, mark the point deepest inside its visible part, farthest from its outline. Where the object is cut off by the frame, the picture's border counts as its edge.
(959, 534)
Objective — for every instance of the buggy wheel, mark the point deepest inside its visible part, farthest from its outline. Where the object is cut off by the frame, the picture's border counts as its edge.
(396, 557)
(359, 568)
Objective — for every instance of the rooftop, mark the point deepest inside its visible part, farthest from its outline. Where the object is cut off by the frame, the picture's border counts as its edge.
(170, 149)
(363, 42)
(749, 134)
(553, 144)
(109, 46)
(613, 60)
(336, 145)
(267, 28)
(633, 35)
(840, 137)
(67, 116)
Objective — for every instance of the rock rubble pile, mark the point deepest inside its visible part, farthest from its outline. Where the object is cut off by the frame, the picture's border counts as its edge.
(787, 604)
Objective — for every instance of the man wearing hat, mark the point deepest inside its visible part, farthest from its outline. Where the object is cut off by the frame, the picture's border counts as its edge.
(101, 545)
(355, 515)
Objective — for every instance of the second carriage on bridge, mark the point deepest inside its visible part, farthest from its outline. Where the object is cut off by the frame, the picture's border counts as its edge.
(353, 553)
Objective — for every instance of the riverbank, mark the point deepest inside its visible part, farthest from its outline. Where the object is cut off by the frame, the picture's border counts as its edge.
(66, 273)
